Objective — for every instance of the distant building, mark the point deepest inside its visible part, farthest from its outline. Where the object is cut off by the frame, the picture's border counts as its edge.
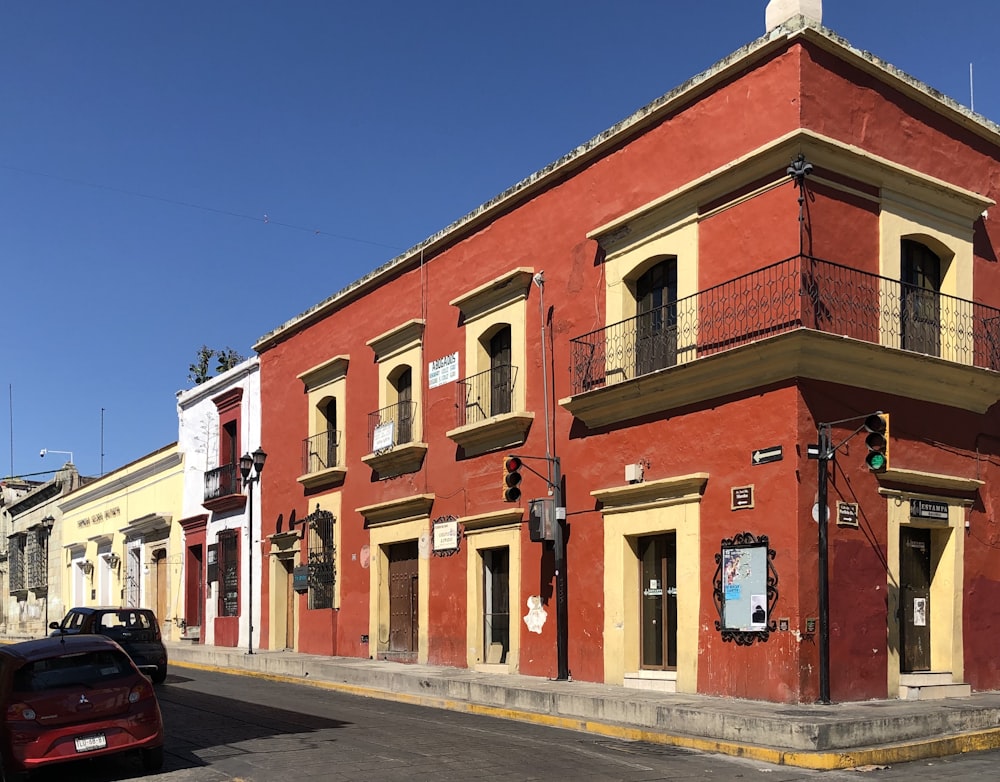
(31, 552)
(683, 310)
(120, 543)
(219, 421)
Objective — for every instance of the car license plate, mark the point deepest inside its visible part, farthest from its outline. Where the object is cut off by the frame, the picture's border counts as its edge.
(89, 743)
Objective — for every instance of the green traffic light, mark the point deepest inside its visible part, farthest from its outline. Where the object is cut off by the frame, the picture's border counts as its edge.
(876, 462)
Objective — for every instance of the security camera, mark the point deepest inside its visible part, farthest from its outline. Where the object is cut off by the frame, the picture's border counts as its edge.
(42, 453)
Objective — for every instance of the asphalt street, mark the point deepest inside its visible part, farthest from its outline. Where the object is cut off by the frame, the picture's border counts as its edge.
(225, 727)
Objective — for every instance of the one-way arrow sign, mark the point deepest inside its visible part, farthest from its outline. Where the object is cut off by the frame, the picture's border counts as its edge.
(765, 455)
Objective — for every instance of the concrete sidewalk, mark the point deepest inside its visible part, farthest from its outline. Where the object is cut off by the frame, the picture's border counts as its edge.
(841, 735)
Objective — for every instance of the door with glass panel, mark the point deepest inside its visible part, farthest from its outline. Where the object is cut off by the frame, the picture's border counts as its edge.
(658, 601)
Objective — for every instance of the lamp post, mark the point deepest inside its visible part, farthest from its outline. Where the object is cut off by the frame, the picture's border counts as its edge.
(251, 463)
(47, 523)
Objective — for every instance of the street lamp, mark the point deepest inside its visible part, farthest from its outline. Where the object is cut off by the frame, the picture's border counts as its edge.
(47, 523)
(251, 463)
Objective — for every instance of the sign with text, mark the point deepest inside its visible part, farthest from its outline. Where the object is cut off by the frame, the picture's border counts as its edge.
(742, 497)
(442, 370)
(929, 509)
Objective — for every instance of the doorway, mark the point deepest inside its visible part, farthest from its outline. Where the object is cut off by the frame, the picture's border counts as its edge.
(289, 570)
(915, 599)
(496, 604)
(658, 602)
(403, 599)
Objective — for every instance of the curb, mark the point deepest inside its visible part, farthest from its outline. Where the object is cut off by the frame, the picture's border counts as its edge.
(889, 754)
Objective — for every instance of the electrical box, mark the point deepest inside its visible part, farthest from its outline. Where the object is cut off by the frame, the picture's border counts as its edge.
(542, 519)
(633, 473)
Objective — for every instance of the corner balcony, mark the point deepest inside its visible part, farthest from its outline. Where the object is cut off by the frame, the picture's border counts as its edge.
(320, 462)
(224, 489)
(393, 434)
(799, 318)
(486, 418)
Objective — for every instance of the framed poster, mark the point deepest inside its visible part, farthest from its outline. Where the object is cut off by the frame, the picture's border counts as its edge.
(746, 589)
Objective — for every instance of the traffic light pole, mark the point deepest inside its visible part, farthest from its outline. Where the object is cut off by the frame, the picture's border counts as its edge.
(562, 599)
(825, 454)
(826, 451)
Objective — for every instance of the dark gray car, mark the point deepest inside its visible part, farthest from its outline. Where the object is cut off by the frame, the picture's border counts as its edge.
(135, 629)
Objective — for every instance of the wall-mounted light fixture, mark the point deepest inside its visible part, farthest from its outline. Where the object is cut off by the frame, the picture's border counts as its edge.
(87, 567)
(113, 560)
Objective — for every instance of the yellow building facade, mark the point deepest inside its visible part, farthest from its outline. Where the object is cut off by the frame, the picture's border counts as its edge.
(121, 543)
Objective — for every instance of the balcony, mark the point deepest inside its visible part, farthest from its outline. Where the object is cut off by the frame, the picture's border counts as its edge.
(485, 415)
(392, 434)
(320, 462)
(224, 489)
(801, 317)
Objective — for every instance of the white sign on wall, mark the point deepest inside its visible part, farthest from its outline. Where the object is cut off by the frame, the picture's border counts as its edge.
(382, 437)
(442, 370)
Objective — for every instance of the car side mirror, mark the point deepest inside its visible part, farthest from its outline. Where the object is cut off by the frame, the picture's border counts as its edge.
(53, 625)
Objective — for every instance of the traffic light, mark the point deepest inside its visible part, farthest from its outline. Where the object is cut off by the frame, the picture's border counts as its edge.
(877, 441)
(511, 479)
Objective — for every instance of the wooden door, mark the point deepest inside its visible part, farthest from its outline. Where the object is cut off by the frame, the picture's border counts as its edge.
(161, 586)
(915, 598)
(403, 598)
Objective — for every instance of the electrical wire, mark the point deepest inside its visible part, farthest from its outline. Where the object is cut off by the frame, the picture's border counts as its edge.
(201, 207)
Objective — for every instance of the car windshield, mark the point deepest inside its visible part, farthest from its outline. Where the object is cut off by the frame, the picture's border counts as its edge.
(87, 668)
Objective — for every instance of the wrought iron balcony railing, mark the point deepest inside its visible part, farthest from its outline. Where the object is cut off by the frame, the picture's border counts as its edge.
(798, 293)
(485, 394)
(319, 452)
(223, 481)
(392, 425)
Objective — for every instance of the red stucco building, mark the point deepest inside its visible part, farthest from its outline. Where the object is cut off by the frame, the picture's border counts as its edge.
(751, 265)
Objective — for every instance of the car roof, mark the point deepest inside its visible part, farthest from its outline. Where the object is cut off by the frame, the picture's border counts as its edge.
(90, 610)
(42, 648)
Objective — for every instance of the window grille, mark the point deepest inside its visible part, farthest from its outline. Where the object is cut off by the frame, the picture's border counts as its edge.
(34, 560)
(16, 562)
(229, 571)
(322, 570)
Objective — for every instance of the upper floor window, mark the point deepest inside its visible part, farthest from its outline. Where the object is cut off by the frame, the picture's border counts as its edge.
(398, 353)
(222, 482)
(920, 300)
(324, 444)
(656, 317)
(395, 427)
(491, 397)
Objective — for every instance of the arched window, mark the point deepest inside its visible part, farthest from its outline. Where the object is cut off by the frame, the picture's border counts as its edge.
(328, 410)
(501, 372)
(656, 321)
(403, 386)
(920, 306)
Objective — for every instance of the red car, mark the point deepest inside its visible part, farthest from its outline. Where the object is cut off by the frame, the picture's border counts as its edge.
(71, 697)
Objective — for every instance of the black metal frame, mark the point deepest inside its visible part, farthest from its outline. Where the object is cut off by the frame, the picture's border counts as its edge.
(746, 637)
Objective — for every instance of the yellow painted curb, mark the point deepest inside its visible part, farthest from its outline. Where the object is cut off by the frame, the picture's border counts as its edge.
(889, 754)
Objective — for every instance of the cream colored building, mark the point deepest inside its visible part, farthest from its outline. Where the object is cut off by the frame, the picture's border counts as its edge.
(121, 543)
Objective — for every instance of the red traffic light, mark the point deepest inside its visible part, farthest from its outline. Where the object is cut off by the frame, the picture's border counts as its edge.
(511, 479)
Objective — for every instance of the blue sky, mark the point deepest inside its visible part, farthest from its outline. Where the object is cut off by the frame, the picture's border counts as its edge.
(187, 173)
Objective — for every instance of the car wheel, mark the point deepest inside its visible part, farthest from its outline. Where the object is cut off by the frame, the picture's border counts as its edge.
(152, 759)
(160, 676)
